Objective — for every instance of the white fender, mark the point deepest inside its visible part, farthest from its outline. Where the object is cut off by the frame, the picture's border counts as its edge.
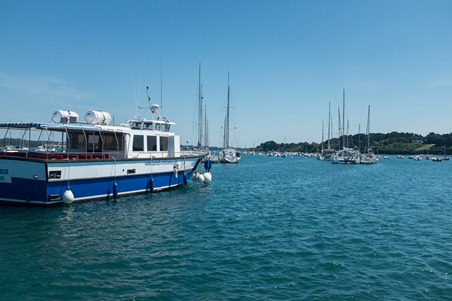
(207, 177)
(68, 196)
(199, 177)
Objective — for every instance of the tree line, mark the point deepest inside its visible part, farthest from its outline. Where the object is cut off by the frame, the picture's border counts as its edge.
(390, 143)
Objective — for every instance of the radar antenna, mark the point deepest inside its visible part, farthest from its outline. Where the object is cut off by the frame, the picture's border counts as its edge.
(153, 107)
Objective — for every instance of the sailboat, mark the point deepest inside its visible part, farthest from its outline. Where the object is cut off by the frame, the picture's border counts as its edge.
(228, 154)
(203, 142)
(326, 154)
(345, 155)
(200, 114)
(369, 157)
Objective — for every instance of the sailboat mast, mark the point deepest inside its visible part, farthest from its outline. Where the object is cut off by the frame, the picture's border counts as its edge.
(339, 125)
(348, 127)
(368, 128)
(332, 131)
(200, 123)
(359, 137)
(343, 116)
(226, 126)
(329, 124)
(206, 129)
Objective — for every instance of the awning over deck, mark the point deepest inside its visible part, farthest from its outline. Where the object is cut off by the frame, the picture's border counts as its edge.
(62, 127)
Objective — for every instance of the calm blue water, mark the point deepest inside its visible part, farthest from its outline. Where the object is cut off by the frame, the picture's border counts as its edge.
(266, 229)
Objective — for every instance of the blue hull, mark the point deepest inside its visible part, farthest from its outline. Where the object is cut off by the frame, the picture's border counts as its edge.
(49, 193)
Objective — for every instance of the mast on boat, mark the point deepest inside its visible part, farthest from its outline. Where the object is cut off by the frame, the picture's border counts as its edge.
(226, 121)
(200, 98)
(206, 128)
(359, 137)
(331, 127)
(343, 117)
(340, 129)
(368, 129)
(329, 124)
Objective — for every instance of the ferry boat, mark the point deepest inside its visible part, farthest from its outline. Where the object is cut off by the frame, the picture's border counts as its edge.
(93, 159)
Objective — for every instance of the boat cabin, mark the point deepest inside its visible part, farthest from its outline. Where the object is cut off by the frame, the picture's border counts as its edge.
(66, 138)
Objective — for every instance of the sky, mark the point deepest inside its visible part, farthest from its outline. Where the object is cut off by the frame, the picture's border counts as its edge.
(287, 62)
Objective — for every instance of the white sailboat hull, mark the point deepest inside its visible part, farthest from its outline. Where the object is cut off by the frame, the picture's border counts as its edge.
(229, 156)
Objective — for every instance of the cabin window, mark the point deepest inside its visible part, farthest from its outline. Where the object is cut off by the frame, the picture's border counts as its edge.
(77, 141)
(163, 143)
(93, 143)
(152, 143)
(166, 127)
(138, 143)
(157, 126)
(112, 142)
(148, 126)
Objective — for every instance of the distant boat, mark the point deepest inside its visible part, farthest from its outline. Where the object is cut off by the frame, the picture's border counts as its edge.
(347, 156)
(228, 154)
(369, 157)
(350, 155)
(326, 154)
(444, 155)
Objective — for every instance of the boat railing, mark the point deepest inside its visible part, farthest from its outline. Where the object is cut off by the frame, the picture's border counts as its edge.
(58, 155)
(91, 156)
(192, 153)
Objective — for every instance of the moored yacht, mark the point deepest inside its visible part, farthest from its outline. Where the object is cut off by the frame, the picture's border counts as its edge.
(228, 154)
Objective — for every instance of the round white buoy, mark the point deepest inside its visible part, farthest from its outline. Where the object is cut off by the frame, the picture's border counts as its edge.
(207, 177)
(68, 196)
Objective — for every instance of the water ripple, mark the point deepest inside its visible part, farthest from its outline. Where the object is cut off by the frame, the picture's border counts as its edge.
(266, 229)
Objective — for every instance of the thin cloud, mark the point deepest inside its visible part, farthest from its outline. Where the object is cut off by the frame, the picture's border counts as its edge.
(42, 86)
(441, 83)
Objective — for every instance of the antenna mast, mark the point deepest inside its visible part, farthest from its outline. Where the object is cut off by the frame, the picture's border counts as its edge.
(153, 108)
